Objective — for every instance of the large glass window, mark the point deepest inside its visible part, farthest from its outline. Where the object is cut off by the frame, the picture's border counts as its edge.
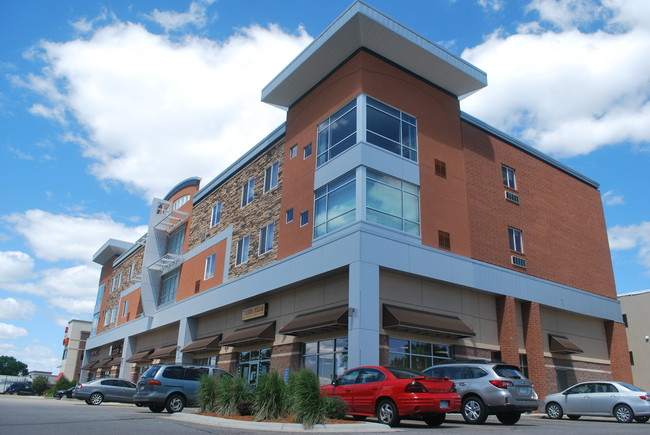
(176, 240)
(337, 133)
(416, 355)
(335, 205)
(254, 363)
(327, 358)
(392, 202)
(391, 129)
(168, 287)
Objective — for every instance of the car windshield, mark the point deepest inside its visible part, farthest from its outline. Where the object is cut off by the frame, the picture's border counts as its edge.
(508, 372)
(631, 387)
(402, 373)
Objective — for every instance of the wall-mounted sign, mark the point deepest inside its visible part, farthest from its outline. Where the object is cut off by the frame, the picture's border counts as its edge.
(255, 312)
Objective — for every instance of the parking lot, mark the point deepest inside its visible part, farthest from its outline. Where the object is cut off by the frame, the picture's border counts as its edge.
(36, 415)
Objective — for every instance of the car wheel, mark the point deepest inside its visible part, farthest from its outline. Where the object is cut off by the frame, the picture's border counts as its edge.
(387, 413)
(641, 419)
(96, 399)
(509, 417)
(573, 417)
(473, 410)
(175, 403)
(359, 417)
(65, 396)
(434, 420)
(623, 414)
(554, 411)
(156, 408)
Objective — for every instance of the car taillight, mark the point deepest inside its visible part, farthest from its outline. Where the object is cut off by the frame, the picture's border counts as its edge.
(502, 384)
(153, 382)
(415, 387)
(643, 397)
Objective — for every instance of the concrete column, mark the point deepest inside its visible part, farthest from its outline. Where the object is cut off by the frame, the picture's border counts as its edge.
(186, 335)
(128, 349)
(507, 326)
(619, 352)
(534, 342)
(363, 306)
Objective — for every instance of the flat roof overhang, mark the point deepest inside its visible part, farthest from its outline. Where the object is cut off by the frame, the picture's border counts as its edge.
(362, 26)
(112, 248)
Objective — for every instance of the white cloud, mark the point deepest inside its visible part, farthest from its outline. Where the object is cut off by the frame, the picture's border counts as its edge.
(38, 358)
(632, 237)
(16, 309)
(157, 110)
(55, 237)
(9, 331)
(612, 198)
(494, 5)
(569, 92)
(567, 14)
(196, 15)
(15, 266)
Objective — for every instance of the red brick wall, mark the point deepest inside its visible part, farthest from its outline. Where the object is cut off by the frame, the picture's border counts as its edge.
(507, 329)
(619, 353)
(532, 326)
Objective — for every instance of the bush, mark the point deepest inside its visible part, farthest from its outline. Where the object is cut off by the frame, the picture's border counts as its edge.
(63, 384)
(208, 393)
(40, 384)
(229, 392)
(305, 400)
(270, 398)
(335, 407)
(245, 408)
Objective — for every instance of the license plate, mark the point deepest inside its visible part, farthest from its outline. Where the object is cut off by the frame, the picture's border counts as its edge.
(444, 404)
(523, 390)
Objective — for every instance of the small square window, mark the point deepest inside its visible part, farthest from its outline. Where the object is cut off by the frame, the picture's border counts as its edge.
(293, 151)
(304, 218)
(307, 151)
(441, 168)
(290, 215)
(444, 239)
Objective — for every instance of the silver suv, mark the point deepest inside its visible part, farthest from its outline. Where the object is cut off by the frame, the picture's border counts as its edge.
(488, 388)
(171, 386)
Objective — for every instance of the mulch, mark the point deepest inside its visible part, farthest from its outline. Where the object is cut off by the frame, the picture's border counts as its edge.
(287, 419)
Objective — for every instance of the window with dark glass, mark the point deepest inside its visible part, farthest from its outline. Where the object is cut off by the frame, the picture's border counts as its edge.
(444, 240)
(271, 176)
(416, 355)
(176, 240)
(392, 202)
(242, 250)
(335, 205)
(441, 168)
(391, 129)
(266, 238)
(168, 287)
(508, 177)
(337, 133)
(327, 358)
(516, 243)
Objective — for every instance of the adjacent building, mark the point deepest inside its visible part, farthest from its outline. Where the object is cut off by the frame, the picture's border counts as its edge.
(74, 344)
(635, 307)
(378, 225)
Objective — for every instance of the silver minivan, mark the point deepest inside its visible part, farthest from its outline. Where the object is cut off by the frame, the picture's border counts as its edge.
(488, 388)
(172, 386)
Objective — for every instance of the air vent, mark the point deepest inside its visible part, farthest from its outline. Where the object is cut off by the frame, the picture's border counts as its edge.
(512, 197)
(518, 261)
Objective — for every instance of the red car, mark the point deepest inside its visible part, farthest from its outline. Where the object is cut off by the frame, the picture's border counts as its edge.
(393, 393)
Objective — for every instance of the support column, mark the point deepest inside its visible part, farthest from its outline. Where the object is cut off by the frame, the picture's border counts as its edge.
(186, 335)
(363, 312)
(619, 352)
(534, 342)
(128, 348)
(507, 327)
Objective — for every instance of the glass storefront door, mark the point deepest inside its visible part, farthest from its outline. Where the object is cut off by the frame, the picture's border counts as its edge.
(254, 363)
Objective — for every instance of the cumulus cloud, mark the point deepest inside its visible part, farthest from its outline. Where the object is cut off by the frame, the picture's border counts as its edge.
(15, 266)
(16, 309)
(55, 237)
(171, 20)
(612, 198)
(187, 106)
(569, 91)
(493, 5)
(9, 331)
(632, 237)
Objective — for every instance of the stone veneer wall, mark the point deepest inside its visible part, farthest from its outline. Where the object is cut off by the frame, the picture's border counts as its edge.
(113, 300)
(247, 220)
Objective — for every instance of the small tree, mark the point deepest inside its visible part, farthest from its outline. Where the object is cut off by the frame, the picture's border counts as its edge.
(40, 384)
(64, 383)
(12, 367)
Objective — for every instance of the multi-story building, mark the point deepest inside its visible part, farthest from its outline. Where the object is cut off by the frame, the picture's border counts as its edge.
(379, 224)
(635, 307)
(74, 344)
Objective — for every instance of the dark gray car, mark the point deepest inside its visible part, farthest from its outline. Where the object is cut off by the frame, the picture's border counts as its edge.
(172, 386)
(105, 390)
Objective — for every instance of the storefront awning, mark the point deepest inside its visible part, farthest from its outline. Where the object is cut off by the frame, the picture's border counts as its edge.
(560, 344)
(140, 356)
(264, 333)
(164, 352)
(106, 362)
(116, 361)
(421, 322)
(90, 365)
(327, 320)
(203, 345)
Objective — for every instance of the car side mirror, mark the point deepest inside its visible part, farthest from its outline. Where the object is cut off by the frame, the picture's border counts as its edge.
(335, 382)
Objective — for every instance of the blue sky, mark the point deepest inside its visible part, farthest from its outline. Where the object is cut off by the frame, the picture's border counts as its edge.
(107, 104)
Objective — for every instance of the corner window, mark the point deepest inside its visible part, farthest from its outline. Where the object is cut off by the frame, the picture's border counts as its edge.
(337, 133)
(266, 238)
(516, 243)
(215, 218)
(508, 177)
(391, 129)
(335, 205)
(271, 176)
(242, 250)
(248, 192)
(176, 240)
(392, 202)
(289, 215)
(304, 218)
(210, 261)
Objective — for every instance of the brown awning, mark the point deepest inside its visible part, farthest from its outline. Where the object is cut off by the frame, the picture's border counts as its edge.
(140, 357)
(90, 365)
(422, 322)
(327, 320)
(106, 362)
(164, 352)
(560, 344)
(116, 361)
(252, 335)
(203, 345)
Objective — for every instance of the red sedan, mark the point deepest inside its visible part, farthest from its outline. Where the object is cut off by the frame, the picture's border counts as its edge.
(393, 393)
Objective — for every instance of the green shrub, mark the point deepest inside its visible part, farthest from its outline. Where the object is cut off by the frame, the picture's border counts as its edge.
(335, 407)
(231, 391)
(270, 397)
(305, 400)
(40, 384)
(208, 393)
